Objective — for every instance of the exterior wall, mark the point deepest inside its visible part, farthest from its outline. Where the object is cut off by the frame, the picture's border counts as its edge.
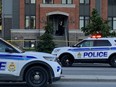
(104, 9)
(22, 13)
(14, 12)
(6, 18)
(92, 5)
(19, 35)
(70, 11)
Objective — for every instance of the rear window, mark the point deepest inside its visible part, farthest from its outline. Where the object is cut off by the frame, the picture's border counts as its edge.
(102, 43)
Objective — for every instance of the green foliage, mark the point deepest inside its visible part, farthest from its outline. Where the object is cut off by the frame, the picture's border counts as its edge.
(97, 26)
(46, 43)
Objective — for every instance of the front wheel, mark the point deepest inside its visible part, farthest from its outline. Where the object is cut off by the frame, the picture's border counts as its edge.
(113, 61)
(66, 60)
(36, 77)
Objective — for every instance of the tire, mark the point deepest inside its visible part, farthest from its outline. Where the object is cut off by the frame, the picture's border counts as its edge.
(113, 61)
(66, 60)
(36, 77)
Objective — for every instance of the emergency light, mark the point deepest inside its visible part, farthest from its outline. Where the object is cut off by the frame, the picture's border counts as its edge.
(96, 36)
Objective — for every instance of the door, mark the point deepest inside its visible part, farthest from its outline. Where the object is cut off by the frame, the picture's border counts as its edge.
(83, 47)
(93, 49)
(9, 62)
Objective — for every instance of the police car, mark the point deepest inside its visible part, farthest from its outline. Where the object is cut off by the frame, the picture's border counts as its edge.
(36, 68)
(89, 50)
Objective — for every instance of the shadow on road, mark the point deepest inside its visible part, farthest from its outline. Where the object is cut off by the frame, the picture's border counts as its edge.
(13, 84)
(98, 65)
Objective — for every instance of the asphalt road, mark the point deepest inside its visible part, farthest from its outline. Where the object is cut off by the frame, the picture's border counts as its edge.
(80, 70)
(84, 84)
(66, 84)
(90, 69)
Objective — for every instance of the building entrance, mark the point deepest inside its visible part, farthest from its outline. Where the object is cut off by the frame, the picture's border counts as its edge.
(60, 26)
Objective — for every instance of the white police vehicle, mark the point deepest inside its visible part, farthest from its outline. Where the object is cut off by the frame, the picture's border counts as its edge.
(89, 50)
(36, 68)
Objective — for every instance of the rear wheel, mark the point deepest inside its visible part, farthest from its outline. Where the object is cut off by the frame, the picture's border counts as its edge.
(66, 60)
(36, 77)
(113, 61)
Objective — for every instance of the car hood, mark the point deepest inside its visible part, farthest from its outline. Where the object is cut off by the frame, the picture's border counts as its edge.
(37, 54)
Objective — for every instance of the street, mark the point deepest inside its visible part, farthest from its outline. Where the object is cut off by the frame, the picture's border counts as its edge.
(90, 69)
(67, 84)
(87, 70)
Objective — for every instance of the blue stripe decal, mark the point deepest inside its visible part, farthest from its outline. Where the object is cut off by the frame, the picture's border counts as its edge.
(16, 57)
(80, 49)
(113, 48)
(100, 49)
(91, 49)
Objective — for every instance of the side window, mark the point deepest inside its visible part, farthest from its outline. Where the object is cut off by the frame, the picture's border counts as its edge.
(86, 43)
(3, 46)
(102, 43)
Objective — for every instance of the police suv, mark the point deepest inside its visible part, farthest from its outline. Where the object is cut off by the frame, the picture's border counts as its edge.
(36, 68)
(89, 50)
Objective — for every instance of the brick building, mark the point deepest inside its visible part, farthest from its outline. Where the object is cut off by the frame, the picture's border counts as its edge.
(25, 19)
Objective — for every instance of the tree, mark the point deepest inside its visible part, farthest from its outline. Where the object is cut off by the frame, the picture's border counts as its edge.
(46, 43)
(97, 26)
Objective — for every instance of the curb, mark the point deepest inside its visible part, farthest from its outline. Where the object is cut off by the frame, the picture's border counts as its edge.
(87, 78)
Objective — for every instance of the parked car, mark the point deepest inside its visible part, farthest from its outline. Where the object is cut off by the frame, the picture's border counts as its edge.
(36, 68)
(90, 50)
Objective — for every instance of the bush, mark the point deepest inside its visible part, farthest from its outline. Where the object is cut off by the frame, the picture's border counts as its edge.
(46, 43)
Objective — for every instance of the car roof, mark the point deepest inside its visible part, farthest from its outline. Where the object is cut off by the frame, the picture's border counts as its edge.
(110, 38)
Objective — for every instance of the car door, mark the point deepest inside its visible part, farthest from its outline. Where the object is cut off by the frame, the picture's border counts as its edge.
(9, 61)
(94, 49)
(101, 49)
(83, 48)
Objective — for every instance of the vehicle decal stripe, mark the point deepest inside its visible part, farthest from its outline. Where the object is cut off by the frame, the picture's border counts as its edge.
(92, 49)
(16, 57)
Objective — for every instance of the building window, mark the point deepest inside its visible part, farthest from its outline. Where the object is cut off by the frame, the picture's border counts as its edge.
(67, 1)
(83, 21)
(112, 22)
(48, 1)
(30, 22)
(27, 1)
(84, 1)
(0, 22)
(111, 2)
(29, 43)
(30, 1)
(27, 22)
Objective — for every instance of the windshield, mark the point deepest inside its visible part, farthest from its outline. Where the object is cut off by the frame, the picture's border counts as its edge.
(6, 44)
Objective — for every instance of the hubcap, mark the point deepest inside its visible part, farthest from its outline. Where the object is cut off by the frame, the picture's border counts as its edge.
(67, 61)
(115, 61)
(37, 76)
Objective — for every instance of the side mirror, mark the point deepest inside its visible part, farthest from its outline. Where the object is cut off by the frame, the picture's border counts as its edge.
(9, 50)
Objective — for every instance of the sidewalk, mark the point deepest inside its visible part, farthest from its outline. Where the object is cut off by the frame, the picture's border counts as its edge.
(87, 78)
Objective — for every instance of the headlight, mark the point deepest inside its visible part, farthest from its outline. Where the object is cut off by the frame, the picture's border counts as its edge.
(56, 50)
(50, 58)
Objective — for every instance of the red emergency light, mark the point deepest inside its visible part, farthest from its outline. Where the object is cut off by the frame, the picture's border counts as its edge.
(96, 36)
